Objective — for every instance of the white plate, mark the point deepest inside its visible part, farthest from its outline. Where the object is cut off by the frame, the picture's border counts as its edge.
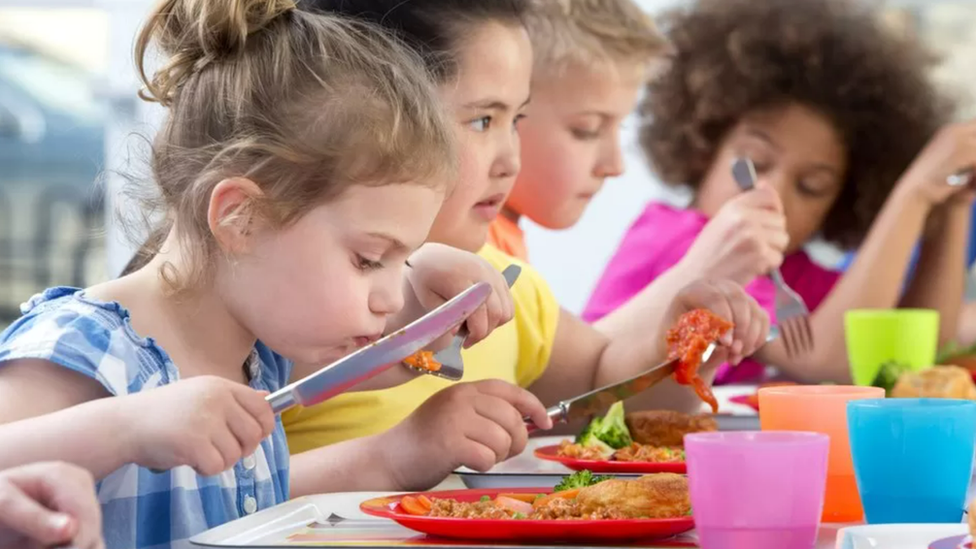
(271, 527)
(897, 536)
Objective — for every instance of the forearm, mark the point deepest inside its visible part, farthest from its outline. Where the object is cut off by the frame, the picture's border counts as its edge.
(940, 277)
(642, 313)
(90, 435)
(874, 281)
(339, 468)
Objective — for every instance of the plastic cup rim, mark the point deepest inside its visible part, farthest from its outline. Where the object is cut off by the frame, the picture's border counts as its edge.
(757, 438)
(911, 403)
(891, 313)
(821, 391)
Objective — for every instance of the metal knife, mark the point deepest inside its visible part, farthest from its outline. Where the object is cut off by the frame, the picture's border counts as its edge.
(596, 402)
(381, 355)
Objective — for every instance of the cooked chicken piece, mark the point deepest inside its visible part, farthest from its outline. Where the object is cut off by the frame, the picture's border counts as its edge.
(667, 428)
(664, 495)
(936, 382)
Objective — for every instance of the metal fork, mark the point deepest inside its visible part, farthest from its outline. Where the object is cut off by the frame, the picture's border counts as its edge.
(792, 314)
(452, 366)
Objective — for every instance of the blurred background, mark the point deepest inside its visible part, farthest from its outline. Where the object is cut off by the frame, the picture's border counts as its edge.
(73, 134)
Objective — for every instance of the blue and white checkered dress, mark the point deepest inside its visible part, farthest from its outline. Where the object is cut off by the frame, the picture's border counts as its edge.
(143, 510)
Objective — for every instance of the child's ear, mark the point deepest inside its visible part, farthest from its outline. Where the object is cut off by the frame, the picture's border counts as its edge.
(232, 214)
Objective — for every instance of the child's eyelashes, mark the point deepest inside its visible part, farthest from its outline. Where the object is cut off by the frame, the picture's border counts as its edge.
(366, 265)
(484, 123)
(480, 124)
(518, 118)
(585, 135)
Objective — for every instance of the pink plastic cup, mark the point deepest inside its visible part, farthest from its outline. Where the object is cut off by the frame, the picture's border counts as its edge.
(757, 489)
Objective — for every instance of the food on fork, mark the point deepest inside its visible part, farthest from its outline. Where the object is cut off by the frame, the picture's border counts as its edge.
(687, 340)
(581, 496)
(423, 360)
(653, 437)
(666, 427)
(936, 382)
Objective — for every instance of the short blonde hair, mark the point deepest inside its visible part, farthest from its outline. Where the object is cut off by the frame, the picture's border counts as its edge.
(303, 104)
(592, 33)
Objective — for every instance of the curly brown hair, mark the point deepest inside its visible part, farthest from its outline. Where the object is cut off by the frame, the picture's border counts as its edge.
(734, 57)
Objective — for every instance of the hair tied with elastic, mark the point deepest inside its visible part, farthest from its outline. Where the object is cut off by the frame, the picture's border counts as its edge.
(194, 34)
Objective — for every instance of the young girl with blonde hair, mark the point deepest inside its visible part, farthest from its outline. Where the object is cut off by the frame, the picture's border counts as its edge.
(301, 166)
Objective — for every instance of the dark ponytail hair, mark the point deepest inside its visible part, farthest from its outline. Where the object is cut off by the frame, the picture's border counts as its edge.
(433, 28)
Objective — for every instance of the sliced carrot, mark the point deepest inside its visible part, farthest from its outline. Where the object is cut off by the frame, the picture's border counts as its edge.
(527, 498)
(412, 506)
(425, 502)
(542, 502)
(568, 494)
(515, 505)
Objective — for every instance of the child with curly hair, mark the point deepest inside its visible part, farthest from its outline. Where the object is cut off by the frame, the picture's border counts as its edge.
(835, 112)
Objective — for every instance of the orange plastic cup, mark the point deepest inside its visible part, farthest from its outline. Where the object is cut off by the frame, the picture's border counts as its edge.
(821, 409)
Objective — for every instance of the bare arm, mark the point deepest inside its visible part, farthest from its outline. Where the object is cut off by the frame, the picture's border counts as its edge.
(940, 278)
(55, 415)
(339, 468)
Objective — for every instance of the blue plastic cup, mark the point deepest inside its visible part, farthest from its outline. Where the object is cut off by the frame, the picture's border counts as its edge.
(913, 458)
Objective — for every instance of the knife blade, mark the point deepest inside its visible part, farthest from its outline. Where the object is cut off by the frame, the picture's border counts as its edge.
(597, 401)
(381, 355)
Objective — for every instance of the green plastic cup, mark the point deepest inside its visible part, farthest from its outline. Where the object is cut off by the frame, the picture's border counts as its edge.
(877, 336)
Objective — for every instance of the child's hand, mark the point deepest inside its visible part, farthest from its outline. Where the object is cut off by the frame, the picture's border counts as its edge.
(48, 505)
(746, 238)
(472, 424)
(208, 423)
(729, 301)
(951, 151)
(440, 272)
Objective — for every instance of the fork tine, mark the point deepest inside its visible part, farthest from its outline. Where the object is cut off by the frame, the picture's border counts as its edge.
(799, 335)
(808, 331)
(787, 335)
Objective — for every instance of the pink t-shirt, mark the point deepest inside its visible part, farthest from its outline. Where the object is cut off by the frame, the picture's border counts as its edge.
(659, 239)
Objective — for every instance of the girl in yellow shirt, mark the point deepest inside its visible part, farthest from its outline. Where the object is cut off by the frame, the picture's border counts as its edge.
(414, 435)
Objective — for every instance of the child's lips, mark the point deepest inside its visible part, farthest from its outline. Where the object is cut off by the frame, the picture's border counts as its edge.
(362, 341)
(489, 208)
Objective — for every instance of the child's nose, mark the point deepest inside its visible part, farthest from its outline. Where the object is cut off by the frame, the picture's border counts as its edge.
(612, 163)
(386, 299)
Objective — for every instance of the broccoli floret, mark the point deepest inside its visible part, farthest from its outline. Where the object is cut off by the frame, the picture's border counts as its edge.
(579, 479)
(888, 375)
(613, 430)
(591, 441)
(588, 430)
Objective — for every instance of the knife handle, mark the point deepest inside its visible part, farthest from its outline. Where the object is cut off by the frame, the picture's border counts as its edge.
(557, 414)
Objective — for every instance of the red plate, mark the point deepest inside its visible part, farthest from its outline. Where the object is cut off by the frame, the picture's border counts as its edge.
(551, 453)
(523, 530)
(751, 401)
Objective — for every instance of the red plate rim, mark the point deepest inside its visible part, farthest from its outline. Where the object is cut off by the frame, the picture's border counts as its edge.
(745, 400)
(385, 507)
(549, 453)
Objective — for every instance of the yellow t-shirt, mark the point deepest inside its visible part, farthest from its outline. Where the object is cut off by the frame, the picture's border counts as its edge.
(517, 352)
